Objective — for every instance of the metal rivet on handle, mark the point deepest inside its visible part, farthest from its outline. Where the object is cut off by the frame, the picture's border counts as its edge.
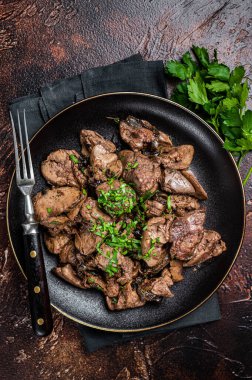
(40, 321)
(33, 254)
(36, 289)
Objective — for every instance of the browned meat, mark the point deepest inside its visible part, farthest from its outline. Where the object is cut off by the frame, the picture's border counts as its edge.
(141, 172)
(104, 163)
(90, 212)
(113, 287)
(140, 134)
(159, 261)
(155, 288)
(183, 248)
(199, 191)
(74, 214)
(127, 299)
(184, 203)
(84, 263)
(180, 204)
(154, 208)
(154, 237)
(95, 281)
(176, 268)
(68, 254)
(126, 156)
(127, 269)
(58, 169)
(176, 182)
(68, 274)
(179, 157)
(105, 187)
(190, 223)
(86, 242)
(156, 229)
(102, 261)
(55, 201)
(210, 246)
(59, 224)
(90, 138)
(55, 244)
(133, 133)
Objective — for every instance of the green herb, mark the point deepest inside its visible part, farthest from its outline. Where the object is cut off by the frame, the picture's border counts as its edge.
(55, 222)
(114, 300)
(84, 191)
(90, 280)
(115, 119)
(130, 165)
(249, 173)
(218, 95)
(117, 202)
(169, 204)
(88, 207)
(152, 247)
(120, 241)
(147, 195)
(74, 158)
(112, 268)
(49, 210)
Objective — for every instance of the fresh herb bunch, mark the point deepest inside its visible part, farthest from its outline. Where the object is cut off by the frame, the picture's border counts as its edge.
(218, 95)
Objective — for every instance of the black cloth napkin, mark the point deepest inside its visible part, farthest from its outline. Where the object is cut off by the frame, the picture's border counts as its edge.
(131, 74)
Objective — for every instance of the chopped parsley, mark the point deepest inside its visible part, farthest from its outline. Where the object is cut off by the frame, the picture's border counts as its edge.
(115, 119)
(169, 204)
(119, 240)
(152, 247)
(114, 300)
(130, 165)
(74, 158)
(49, 210)
(90, 280)
(117, 202)
(84, 191)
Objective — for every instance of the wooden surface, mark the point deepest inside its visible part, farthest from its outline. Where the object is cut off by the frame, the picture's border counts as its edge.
(41, 41)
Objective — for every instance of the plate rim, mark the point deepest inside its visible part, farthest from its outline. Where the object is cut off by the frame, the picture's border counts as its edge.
(243, 209)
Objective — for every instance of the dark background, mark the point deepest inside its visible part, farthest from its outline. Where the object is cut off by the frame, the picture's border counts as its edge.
(41, 41)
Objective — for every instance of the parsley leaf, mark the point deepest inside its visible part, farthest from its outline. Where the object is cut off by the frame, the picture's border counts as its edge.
(244, 94)
(197, 90)
(217, 86)
(247, 124)
(236, 75)
(177, 70)
(218, 71)
(202, 55)
(192, 66)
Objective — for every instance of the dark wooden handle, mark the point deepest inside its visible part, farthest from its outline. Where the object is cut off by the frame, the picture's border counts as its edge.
(40, 308)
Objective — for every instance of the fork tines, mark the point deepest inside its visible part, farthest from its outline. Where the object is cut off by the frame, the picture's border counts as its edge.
(27, 175)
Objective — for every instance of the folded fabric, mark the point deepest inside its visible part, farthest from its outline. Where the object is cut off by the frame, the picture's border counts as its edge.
(131, 74)
(96, 339)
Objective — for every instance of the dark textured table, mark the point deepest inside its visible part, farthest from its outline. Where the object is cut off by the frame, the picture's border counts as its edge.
(41, 41)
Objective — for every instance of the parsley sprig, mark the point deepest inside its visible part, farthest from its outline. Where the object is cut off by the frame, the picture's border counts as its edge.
(218, 95)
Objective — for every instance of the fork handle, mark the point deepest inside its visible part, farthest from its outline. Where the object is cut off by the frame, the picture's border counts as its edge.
(40, 308)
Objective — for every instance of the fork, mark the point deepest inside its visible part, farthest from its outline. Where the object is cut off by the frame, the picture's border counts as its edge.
(40, 309)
